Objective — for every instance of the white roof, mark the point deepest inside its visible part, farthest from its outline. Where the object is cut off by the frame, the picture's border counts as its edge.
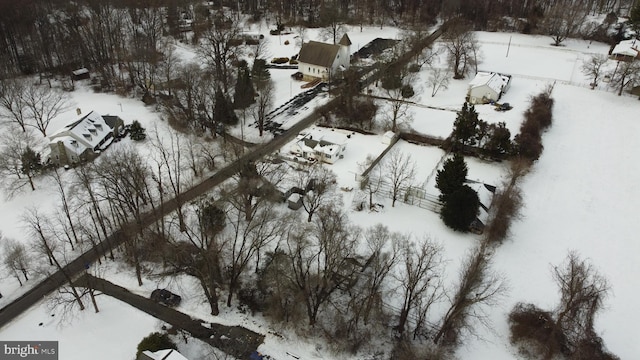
(80, 71)
(493, 80)
(87, 132)
(324, 140)
(627, 48)
(168, 354)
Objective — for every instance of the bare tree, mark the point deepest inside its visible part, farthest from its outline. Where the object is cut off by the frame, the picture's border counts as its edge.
(263, 104)
(38, 224)
(582, 294)
(400, 171)
(593, 68)
(43, 105)
(124, 183)
(478, 287)
(65, 201)
(626, 73)
(564, 19)
(246, 240)
(383, 255)
(319, 259)
(318, 183)
(438, 79)
(218, 49)
(420, 281)
(461, 46)
(15, 258)
(13, 145)
(12, 102)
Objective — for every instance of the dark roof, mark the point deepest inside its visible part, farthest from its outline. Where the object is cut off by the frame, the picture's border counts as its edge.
(111, 120)
(345, 40)
(317, 53)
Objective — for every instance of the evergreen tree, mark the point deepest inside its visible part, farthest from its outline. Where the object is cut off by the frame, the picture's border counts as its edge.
(460, 209)
(31, 164)
(452, 176)
(222, 111)
(155, 342)
(499, 140)
(244, 93)
(260, 73)
(137, 132)
(466, 125)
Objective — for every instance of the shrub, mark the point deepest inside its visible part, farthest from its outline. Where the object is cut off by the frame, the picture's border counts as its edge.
(154, 342)
(535, 331)
(280, 60)
(407, 91)
(137, 132)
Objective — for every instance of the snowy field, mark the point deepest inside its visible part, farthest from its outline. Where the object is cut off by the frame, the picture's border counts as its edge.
(580, 195)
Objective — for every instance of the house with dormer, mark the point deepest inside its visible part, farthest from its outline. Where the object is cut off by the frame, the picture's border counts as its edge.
(319, 60)
(84, 139)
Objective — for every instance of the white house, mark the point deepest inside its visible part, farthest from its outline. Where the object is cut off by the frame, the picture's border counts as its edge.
(84, 139)
(321, 60)
(168, 354)
(487, 86)
(326, 145)
(626, 50)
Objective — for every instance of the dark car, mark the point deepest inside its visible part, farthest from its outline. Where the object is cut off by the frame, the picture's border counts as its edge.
(165, 297)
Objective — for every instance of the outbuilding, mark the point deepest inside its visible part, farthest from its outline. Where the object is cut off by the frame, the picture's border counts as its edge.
(487, 87)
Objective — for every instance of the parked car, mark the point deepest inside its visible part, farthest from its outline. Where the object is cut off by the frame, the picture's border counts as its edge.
(165, 297)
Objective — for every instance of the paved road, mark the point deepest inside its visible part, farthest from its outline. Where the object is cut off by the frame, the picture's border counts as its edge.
(31, 297)
(77, 266)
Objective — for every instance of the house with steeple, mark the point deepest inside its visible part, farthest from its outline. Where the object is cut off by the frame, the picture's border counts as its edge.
(322, 61)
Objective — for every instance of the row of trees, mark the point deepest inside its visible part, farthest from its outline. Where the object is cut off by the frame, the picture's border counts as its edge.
(56, 36)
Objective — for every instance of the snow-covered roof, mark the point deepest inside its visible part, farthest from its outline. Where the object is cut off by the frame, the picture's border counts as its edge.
(322, 140)
(86, 133)
(168, 354)
(80, 71)
(493, 80)
(626, 48)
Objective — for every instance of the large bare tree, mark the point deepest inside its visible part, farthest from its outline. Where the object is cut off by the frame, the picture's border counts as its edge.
(400, 172)
(462, 48)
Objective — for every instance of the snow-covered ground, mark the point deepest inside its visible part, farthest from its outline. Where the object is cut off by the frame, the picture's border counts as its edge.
(580, 195)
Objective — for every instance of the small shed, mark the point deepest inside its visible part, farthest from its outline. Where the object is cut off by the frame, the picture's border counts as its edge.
(80, 74)
(487, 87)
(294, 201)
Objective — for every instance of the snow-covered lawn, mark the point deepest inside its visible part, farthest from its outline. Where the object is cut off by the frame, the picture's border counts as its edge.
(580, 195)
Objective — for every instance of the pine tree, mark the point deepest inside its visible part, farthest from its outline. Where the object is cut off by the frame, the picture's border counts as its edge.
(460, 209)
(466, 125)
(260, 73)
(222, 111)
(137, 132)
(244, 93)
(31, 164)
(499, 140)
(452, 176)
